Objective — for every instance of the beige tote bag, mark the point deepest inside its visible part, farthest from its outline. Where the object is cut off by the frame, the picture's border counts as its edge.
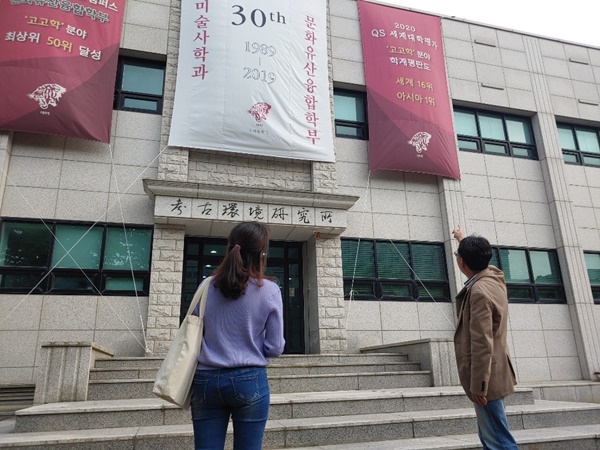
(175, 377)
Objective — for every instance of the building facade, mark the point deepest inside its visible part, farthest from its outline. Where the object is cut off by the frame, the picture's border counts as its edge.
(363, 258)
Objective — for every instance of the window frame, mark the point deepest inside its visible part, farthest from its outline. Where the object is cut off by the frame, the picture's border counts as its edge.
(121, 95)
(595, 288)
(532, 286)
(577, 153)
(480, 141)
(361, 126)
(97, 276)
(413, 284)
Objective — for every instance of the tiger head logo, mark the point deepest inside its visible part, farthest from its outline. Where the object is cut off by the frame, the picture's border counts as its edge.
(260, 111)
(47, 95)
(420, 141)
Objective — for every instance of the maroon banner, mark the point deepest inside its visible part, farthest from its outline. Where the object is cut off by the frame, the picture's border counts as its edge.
(58, 61)
(410, 118)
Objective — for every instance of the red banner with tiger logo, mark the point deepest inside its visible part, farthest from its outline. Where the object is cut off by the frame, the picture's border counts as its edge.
(58, 62)
(409, 111)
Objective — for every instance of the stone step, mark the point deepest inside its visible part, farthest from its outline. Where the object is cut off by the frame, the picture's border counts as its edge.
(339, 430)
(330, 358)
(583, 437)
(148, 412)
(137, 388)
(128, 373)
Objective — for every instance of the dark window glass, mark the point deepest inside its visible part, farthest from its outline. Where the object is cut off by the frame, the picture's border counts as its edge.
(76, 259)
(123, 283)
(519, 293)
(85, 247)
(592, 261)
(395, 290)
(357, 259)
(580, 145)
(215, 249)
(127, 249)
(428, 262)
(25, 244)
(514, 264)
(392, 260)
(426, 292)
(495, 133)
(495, 148)
(591, 160)
(275, 252)
(21, 281)
(566, 137)
(72, 283)
(469, 146)
(491, 127)
(360, 289)
(350, 114)
(388, 270)
(544, 266)
(524, 152)
(587, 140)
(466, 123)
(571, 158)
(140, 85)
(531, 275)
(519, 130)
(142, 79)
(549, 295)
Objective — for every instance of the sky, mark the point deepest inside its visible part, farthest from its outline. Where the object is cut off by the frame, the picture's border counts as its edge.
(577, 21)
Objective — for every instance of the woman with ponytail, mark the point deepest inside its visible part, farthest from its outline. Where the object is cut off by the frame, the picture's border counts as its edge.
(243, 326)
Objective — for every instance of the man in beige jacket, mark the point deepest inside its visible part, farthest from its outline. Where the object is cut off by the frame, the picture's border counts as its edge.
(484, 367)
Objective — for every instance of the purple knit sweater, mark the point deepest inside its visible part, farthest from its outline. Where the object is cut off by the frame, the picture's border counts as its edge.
(242, 332)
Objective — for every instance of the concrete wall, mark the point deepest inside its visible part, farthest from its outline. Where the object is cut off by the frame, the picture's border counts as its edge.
(61, 178)
(510, 201)
(57, 178)
(513, 202)
(27, 321)
(584, 186)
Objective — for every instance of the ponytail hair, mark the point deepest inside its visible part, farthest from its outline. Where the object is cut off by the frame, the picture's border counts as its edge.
(245, 258)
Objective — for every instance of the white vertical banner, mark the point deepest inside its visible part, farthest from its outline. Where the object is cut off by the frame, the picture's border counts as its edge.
(253, 78)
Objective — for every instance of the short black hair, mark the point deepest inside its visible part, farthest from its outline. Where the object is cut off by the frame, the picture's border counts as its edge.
(476, 252)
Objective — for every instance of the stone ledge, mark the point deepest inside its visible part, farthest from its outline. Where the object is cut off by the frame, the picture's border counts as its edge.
(248, 194)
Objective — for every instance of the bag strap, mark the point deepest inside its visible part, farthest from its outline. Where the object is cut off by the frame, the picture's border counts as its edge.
(200, 296)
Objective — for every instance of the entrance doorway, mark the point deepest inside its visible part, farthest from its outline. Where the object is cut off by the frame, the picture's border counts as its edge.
(284, 263)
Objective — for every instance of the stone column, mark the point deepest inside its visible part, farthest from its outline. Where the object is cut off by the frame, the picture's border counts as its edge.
(453, 214)
(173, 162)
(327, 313)
(165, 288)
(570, 251)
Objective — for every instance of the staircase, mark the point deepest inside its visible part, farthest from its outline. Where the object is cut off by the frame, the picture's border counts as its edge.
(346, 401)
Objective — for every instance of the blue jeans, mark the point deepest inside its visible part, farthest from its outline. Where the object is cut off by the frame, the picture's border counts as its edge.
(493, 426)
(242, 394)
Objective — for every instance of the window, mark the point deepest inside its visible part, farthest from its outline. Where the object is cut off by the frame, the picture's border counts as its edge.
(579, 145)
(531, 275)
(350, 114)
(381, 270)
(31, 257)
(494, 133)
(139, 85)
(592, 261)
